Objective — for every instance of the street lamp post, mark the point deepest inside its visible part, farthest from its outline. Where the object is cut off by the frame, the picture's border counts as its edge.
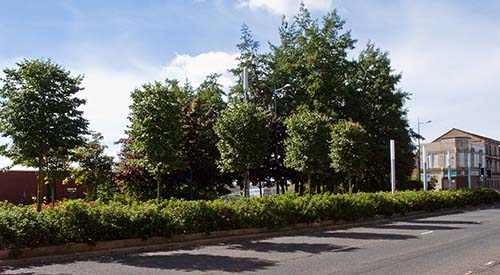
(418, 133)
(275, 116)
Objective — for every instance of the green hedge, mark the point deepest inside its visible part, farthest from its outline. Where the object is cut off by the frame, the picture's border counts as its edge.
(82, 222)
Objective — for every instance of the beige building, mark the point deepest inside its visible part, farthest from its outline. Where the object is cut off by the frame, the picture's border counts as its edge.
(474, 160)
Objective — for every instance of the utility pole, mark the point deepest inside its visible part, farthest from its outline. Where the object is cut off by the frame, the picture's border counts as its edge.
(469, 178)
(419, 159)
(245, 83)
(424, 164)
(448, 164)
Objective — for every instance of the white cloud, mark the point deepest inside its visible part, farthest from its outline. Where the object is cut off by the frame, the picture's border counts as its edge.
(286, 7)
(107, 92)
(196, 68)
(450, 65)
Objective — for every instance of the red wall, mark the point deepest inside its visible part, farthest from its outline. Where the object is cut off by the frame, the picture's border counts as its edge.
(19, 187)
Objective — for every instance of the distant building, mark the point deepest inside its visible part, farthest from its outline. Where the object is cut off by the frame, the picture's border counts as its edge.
(470, 153)
(19, 187)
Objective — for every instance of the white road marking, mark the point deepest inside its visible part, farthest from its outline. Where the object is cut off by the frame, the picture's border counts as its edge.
(342, 248)
(426, 232)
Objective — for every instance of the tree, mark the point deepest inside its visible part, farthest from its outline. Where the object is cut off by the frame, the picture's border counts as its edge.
(307, 143)
(312, 58)
(200, 112)
(155, 129)
(349, 150)
(58, 168)
(94, 167)
(378, 105)
(40, 114)
(134, 180)
(244, 139)
(259, 81)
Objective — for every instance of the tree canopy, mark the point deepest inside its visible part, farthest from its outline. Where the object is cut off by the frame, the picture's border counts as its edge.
(244, 138)
(349, 150)
(307, 142)
(155, 128)
(39, 113)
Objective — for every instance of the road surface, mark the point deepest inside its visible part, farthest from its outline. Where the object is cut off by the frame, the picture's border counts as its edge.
(460, 243)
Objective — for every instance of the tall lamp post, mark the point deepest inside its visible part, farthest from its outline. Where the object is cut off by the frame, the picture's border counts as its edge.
(275, 116)
(418, 132)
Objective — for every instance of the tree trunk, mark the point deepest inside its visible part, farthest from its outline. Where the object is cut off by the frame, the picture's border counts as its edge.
(245, 183)
(277, 187)
(260, 188)
(158, 187)
(309, 178)
(39, 186)
(53, 192)
(190, 183)
(351, 185)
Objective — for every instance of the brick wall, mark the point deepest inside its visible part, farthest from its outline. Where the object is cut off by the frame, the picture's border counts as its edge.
(19, 187)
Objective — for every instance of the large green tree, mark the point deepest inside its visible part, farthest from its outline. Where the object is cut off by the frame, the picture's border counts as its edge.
(200, 112)
(349, 150)
(40, 114)
(155, 129)
(313, 58)
(307, 143)
(244, 139)
(377, 103)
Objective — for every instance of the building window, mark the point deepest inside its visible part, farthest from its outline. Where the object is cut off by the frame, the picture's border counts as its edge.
(461, 159)
(72, 192)
(435, 160)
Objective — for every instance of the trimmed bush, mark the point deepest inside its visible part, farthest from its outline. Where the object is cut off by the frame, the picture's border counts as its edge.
(77, 221)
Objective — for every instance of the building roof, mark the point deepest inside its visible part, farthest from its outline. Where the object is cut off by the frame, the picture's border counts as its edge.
(457, 133)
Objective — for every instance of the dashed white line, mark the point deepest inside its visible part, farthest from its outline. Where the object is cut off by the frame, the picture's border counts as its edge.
(426, 232)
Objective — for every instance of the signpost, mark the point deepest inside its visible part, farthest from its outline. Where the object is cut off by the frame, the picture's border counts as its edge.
(448, 165)
(393, 167)
(424, 165)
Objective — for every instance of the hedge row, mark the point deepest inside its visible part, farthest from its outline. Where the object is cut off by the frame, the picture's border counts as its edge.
(79, 221)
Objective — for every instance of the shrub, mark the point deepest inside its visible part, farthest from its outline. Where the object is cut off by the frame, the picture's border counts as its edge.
(83, 222)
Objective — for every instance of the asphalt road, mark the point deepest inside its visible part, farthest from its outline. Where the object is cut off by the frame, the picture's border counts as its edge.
(459, 243)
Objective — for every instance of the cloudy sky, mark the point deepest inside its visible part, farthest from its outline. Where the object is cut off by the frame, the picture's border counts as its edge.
(447, 51)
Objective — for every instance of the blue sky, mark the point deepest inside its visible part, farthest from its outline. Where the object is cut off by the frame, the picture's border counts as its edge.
(447, 51)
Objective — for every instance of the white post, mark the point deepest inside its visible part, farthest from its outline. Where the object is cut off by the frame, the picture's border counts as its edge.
(393, 167)
(448, 164)
(424, 166)
(245, 82)
(469, 179)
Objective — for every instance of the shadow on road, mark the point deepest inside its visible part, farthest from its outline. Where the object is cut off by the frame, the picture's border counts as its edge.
(192, 262)
(174, 262)
(364, 235)
(413, 226)
(443, 222)
(13, 271)
(312, 248)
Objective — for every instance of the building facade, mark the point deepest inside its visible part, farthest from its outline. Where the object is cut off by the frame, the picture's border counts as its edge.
(468, 160)
(20, 187)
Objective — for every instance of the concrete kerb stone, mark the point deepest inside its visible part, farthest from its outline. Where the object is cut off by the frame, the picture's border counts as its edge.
(74, 251)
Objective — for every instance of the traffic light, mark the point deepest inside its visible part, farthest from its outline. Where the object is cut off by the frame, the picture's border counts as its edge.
(489, 173)
(482, 172)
